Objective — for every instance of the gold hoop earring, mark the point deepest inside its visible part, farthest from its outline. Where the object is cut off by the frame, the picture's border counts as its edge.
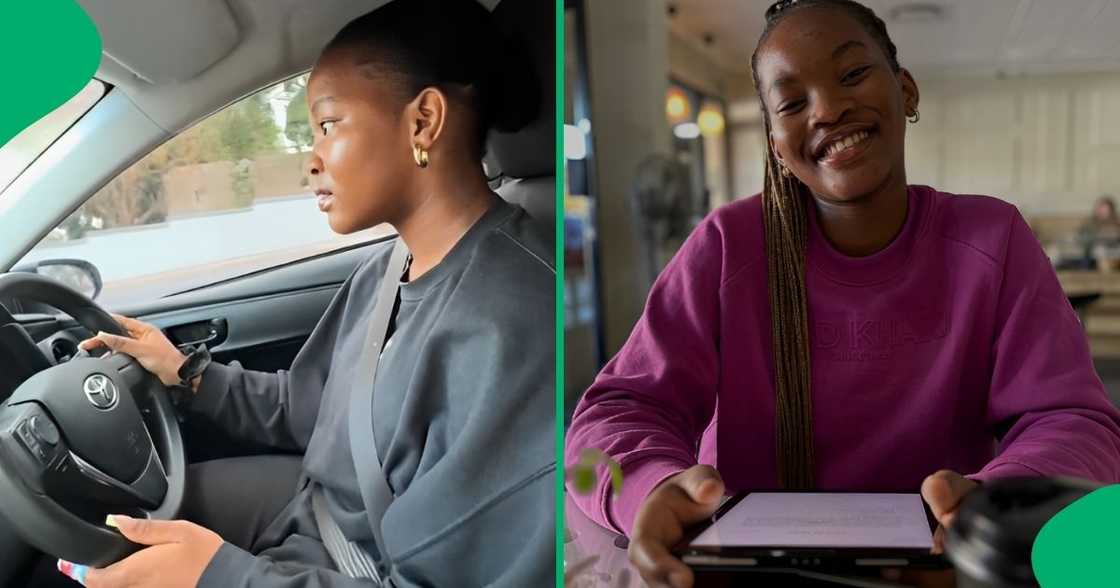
(420, 155)
(785, 171)
(917, 116)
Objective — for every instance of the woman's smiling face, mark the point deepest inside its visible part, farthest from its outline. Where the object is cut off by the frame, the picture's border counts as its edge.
(837, 110)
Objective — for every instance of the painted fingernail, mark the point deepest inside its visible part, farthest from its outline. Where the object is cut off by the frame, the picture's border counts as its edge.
(73, 571)
(115, 520)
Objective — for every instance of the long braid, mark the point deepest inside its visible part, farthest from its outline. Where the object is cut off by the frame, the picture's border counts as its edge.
(785, 226)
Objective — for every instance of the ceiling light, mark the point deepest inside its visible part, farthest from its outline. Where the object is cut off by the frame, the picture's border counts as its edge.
(710, 120)
(688, 130)
(916, 13)
(677, 107)
(575, 145)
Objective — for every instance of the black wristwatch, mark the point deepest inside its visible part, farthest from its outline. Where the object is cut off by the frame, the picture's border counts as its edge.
(197, 361)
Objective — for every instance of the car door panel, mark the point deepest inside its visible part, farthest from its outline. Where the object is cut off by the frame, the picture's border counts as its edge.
(251, 322)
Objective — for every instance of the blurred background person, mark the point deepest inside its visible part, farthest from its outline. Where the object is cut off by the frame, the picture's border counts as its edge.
(1100, 235)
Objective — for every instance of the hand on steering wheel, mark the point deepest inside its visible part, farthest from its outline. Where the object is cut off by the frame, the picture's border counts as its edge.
(89, 437)
(146, 343)
(177, 555)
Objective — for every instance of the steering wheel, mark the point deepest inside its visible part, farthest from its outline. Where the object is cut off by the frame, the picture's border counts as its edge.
(83, 439)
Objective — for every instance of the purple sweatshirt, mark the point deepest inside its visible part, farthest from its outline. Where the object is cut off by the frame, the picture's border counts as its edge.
(954, 347)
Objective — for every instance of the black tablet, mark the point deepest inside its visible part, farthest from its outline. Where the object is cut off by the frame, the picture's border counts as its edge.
(824, 531)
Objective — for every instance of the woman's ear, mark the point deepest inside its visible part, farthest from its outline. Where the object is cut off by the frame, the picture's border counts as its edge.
(427, 114)
(774, 150)
(910, 94)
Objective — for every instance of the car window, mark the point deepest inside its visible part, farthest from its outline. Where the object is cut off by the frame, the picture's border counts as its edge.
(21, 150)
(225, 198)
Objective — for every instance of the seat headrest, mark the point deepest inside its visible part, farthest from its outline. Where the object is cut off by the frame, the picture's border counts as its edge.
(530, 152)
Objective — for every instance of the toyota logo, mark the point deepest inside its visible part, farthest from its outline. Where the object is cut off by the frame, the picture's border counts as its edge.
(101, 391)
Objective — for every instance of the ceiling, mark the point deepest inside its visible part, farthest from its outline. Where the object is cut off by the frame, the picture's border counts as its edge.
(972, 37)
(179, 61)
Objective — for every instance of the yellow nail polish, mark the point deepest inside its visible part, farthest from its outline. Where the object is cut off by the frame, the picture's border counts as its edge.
(109, 522)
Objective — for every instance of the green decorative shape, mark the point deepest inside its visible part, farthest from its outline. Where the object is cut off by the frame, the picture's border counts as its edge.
(583, 479)
(50, 51)
(583, 476)
(1078, 546)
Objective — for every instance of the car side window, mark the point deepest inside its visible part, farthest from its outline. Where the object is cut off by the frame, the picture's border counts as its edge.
(224, 198)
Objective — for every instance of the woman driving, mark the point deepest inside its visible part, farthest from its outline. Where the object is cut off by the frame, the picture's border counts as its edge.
(401, 102)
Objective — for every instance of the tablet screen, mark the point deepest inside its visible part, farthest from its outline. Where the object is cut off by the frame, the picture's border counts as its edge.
(768, 519)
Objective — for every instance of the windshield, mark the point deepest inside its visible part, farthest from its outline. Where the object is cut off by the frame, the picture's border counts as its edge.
(21, 151)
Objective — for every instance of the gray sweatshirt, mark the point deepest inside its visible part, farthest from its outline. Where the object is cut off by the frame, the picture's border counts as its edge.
(464, 418)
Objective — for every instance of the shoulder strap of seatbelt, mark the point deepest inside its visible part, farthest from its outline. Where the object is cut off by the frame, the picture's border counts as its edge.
(376, 494)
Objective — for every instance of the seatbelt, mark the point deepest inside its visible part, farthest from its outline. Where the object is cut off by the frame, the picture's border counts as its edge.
(376, 494)
(348, 557)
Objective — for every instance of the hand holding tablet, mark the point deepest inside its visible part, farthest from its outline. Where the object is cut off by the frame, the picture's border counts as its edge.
(943, 491)
(677, 503)
(825, 531)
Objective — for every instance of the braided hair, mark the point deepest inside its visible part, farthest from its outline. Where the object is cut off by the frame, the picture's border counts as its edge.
(784, 201)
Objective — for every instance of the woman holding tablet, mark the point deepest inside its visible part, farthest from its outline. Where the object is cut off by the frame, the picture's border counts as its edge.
(843, 330)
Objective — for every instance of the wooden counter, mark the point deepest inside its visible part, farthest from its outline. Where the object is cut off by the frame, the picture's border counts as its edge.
(1101, 318)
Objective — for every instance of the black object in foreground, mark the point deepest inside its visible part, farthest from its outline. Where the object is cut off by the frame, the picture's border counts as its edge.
(990, 542)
